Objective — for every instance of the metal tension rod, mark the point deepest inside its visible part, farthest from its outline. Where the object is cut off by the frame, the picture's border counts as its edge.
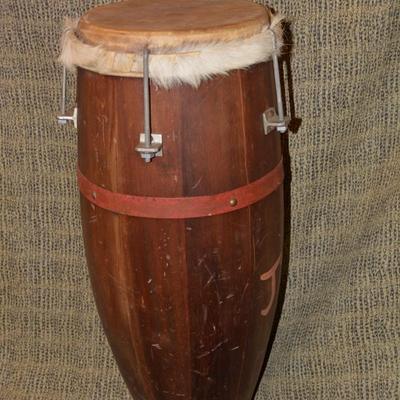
(63, 119)
(150, 145)
(271, 120)
(146, 98)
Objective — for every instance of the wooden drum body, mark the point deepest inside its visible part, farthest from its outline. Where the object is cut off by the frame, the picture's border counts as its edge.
(186, 297)
(187, 305)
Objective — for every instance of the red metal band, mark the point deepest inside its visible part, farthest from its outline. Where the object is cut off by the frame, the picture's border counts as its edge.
(182, 207)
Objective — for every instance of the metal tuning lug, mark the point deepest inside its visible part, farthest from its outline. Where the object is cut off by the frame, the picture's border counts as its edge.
(271, 119)
(148, 152)
(63, 118)
(150, 144)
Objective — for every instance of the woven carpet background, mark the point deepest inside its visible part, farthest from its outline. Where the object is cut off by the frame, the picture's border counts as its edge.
(338, 336)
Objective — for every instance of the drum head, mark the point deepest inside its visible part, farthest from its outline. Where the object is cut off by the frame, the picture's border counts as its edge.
(132, 25)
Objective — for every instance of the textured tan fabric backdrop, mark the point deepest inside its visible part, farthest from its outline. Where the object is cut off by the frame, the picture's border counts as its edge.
(338, 336)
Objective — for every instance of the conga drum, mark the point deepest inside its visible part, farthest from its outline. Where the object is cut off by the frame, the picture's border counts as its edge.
(180, 174)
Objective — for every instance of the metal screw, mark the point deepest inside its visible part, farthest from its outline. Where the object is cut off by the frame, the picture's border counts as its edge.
(233, 202)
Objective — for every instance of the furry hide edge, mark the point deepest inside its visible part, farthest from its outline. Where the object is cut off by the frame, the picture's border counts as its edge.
(189, 64)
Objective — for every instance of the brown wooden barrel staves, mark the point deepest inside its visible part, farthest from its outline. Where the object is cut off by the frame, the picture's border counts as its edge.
(186, 304)
(184, 252)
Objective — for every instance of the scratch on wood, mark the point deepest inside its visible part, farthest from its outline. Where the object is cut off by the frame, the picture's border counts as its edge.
(118, 284)
(174, 394)
(210, 280)
(196, 185)
(205, 313)
(205, 354)
(244, 291)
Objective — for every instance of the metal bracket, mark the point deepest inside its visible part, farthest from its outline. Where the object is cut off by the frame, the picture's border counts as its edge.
(150, 145)
(155, 148)
(63, 118)
(273, 120)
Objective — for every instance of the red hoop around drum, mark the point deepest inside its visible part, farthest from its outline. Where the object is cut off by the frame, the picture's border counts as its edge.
(182, 207)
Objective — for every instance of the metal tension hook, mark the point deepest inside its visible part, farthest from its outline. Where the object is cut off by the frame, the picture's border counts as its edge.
(150, 144)
(270, 118)
(63, 119)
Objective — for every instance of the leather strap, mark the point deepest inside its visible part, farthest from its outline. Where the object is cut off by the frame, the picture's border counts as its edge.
(182, 207)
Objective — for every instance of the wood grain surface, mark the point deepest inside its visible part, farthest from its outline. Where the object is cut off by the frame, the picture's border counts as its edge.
(183, 302)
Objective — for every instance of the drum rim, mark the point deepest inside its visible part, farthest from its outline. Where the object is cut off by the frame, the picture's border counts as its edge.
(110, 27)
(190, 64)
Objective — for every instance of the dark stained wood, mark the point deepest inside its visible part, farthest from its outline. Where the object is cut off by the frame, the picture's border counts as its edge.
(182, 301)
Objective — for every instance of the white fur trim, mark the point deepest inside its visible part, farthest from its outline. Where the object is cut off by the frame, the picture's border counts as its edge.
(189, 64)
